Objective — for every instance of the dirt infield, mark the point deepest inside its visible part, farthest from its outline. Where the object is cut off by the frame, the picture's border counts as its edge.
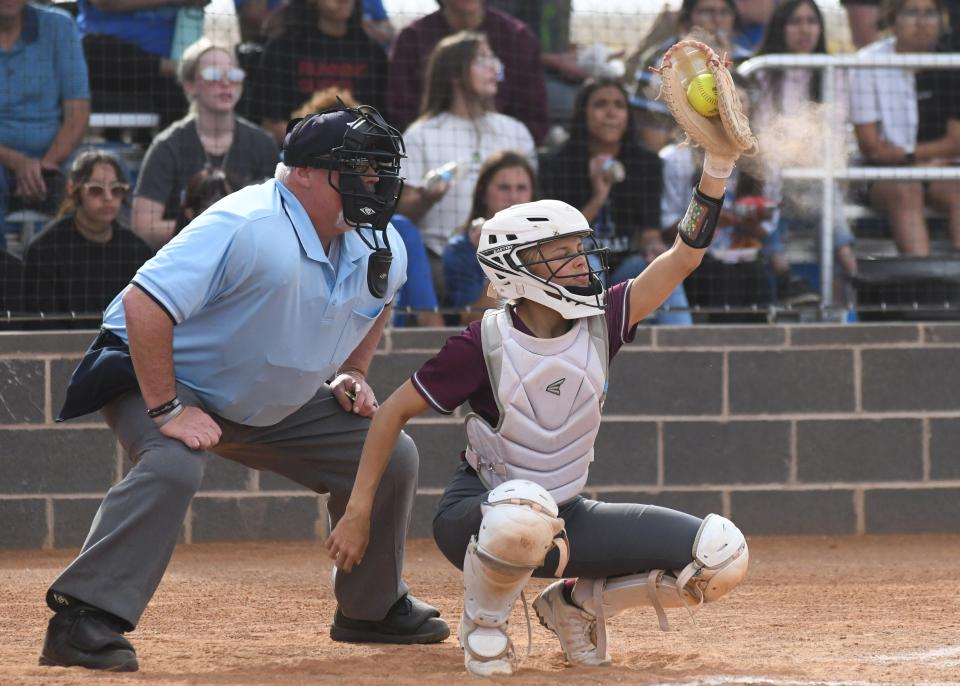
(843, 611)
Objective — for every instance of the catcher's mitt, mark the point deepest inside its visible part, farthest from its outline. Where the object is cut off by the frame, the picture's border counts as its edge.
(727, 135)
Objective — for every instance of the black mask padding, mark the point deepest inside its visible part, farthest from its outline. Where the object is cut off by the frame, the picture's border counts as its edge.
(378, 271)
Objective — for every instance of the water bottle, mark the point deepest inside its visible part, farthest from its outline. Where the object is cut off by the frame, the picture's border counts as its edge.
(451, 172)
(613, 171)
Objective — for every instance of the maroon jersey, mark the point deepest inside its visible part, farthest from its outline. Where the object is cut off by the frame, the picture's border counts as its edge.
(458, 373)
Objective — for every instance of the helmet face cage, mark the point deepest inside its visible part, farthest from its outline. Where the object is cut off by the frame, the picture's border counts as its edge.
(370, 146)
(596, 258)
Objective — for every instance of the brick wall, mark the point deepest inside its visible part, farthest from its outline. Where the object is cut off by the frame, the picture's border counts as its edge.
(784, 429)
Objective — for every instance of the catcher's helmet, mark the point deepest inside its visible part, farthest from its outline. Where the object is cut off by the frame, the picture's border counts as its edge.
(528, 226)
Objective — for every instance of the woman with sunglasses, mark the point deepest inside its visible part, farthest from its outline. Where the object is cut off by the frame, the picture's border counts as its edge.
(85, 256)
(211, 135)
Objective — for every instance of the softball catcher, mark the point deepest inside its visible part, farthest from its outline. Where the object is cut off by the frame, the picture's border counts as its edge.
(535, 375)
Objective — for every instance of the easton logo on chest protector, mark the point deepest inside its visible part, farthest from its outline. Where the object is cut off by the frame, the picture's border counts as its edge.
(555, 386)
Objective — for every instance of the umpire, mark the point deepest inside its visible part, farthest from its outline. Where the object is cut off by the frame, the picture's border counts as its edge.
(249, 336)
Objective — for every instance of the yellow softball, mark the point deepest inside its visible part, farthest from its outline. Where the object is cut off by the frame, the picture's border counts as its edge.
(702, 94)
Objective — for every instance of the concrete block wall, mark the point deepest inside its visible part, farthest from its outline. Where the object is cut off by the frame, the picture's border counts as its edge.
(802, 429)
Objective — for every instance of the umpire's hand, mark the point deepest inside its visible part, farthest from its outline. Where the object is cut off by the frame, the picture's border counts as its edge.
(354, 393)
(194, 428)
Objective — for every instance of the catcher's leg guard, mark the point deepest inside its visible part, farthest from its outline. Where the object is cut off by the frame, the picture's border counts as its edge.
(518, 529)
(720, 558)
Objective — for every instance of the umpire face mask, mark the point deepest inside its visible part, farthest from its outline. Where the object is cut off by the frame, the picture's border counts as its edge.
(368, 180)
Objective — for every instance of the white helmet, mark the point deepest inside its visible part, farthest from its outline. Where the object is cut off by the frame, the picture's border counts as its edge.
(529, 225)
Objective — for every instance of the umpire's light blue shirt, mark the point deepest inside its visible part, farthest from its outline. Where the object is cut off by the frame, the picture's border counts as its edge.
(262, 320)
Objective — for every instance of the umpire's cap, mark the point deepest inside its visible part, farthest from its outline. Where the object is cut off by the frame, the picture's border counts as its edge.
(313, 138)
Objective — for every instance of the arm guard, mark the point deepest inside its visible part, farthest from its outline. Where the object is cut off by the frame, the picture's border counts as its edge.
(700, 221)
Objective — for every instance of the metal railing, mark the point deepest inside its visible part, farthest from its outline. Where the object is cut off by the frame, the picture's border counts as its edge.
(829, 173)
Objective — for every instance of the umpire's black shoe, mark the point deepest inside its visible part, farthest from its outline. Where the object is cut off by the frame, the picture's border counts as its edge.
(408, 621)
(86, 637)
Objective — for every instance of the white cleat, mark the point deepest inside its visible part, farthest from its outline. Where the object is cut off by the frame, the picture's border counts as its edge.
(486, 641)
(575, 627)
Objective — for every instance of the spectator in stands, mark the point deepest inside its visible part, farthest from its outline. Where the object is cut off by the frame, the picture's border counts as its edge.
(754, 17)
(82, 259)
(11, 285)
(506, 179)
(796, 27)
(457, 127)
(322, 45)
(128, 45)
(211, 135)
(563, 72)
(731, 273)
(522, 93)
(204, 188)
(864, 18)
(615, 182)
(44, 102)
(904, 119)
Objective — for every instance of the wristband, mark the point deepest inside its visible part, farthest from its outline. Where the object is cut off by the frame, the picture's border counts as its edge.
(164, 418)
(700, 221)
(168, 406)
(720, 168)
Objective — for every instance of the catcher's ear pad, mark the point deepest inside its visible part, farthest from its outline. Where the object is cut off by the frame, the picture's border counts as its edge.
(378, 269)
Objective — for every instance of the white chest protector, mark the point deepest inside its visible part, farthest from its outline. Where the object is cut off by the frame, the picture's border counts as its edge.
(550, 393)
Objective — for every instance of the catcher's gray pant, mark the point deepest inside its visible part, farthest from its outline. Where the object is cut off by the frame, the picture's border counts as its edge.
(606, 539)
(133, 534)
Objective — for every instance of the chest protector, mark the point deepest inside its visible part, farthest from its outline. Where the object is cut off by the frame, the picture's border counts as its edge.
(550, 393)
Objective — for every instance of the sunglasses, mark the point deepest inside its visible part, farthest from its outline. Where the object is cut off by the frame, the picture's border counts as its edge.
(214, 74)
(99, 190)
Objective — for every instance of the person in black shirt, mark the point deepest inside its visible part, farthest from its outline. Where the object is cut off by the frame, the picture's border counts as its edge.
(85, 256)
(323, 45)
(625, 214)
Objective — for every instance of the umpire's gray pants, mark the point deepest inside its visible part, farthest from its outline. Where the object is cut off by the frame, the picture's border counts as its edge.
(134, 532)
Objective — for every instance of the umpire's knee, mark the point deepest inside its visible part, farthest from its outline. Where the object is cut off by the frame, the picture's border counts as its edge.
(172, 467)
(404, 462)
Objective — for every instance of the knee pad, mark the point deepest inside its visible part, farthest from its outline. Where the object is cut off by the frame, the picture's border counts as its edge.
(720, 559)
(519, 527)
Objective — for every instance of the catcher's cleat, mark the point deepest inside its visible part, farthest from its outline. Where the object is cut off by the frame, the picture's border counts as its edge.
(408, 621)
(84, 636)
(493, 641)
(575, 627)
